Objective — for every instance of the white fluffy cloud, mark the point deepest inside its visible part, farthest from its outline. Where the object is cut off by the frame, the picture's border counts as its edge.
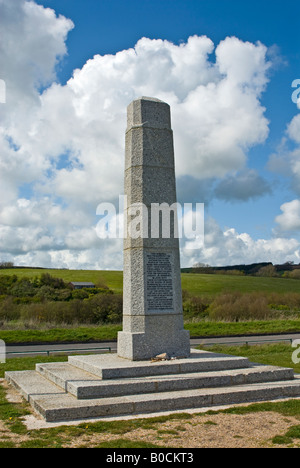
(232, 248)
(286, 161)
(289, 220)
(216, 112)
(294, 129)
(66, 142)
(32, 41)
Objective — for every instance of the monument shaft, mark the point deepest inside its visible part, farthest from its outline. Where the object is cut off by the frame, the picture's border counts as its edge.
(152, 296)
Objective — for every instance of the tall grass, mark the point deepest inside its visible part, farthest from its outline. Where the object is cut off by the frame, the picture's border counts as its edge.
(100, 309)
(236, 306)
(107, 309)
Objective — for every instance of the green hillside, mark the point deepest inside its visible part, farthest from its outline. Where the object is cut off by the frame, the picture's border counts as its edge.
(195, 284)
(112, 279)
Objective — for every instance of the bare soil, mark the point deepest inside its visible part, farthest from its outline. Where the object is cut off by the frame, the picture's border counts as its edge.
(213, 431)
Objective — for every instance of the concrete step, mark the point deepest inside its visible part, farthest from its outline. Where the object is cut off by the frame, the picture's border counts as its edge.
(55, 405)
(97, 386)
(110, 366)
(84, 385)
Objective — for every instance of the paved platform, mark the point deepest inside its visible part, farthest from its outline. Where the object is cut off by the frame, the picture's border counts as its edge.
(98, 386)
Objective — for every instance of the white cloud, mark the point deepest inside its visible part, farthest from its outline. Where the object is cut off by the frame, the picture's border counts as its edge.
(294, 129)
(289, 220)
(286, 161)
(32, 41)
(232, 248)
(216, 112)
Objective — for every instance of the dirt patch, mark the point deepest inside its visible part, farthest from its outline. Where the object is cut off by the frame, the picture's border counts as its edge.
(220, 431)
(213, 431)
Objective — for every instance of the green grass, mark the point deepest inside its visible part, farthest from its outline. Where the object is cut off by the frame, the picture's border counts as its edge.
(27, 363)
(254, 327)
(109, 332)
(113, 279)
(279, 354)
(195, 284)
(11, 414)
(61, 335)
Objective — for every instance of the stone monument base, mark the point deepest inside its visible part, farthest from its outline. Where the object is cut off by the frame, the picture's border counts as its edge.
(143, 346)
(101, 386)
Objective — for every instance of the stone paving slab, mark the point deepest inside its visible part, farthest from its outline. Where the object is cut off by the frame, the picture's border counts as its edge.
(113, 367)
(31, 383)
(64, 392)
(84, 385)
(63, 407)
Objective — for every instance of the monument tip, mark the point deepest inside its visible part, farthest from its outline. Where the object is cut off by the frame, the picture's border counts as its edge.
(147, 98)
(148, 111)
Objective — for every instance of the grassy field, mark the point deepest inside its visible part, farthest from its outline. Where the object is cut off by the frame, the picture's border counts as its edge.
(109, 332)
(214, 284)
(195, 284)
(113, 279)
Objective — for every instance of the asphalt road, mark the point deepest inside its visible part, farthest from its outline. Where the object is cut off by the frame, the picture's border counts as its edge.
(51, 349)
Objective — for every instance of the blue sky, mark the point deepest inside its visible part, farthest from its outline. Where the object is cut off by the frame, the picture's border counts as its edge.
(251, 190)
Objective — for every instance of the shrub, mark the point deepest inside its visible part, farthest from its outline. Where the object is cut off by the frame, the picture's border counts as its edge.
(9, 310)
(56, 313)
(295, 274)
(237, 307)
(107, 308)
(23, 288)
(6, 282)
(48, 280)
(103, 308)
(288, 301)
(48, 293)
(195, 307)
(267, 271)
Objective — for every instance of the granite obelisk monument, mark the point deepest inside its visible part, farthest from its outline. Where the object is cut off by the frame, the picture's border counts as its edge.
(152, 295)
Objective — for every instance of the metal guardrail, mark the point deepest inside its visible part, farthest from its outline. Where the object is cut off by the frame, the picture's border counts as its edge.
(210, 343)
(52, 351)
(247, 342)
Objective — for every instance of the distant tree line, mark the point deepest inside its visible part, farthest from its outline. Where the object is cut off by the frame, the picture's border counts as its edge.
(6, 265)
(286, 270)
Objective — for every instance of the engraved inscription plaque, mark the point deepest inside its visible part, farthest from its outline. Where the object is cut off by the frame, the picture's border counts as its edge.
(159, 281)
